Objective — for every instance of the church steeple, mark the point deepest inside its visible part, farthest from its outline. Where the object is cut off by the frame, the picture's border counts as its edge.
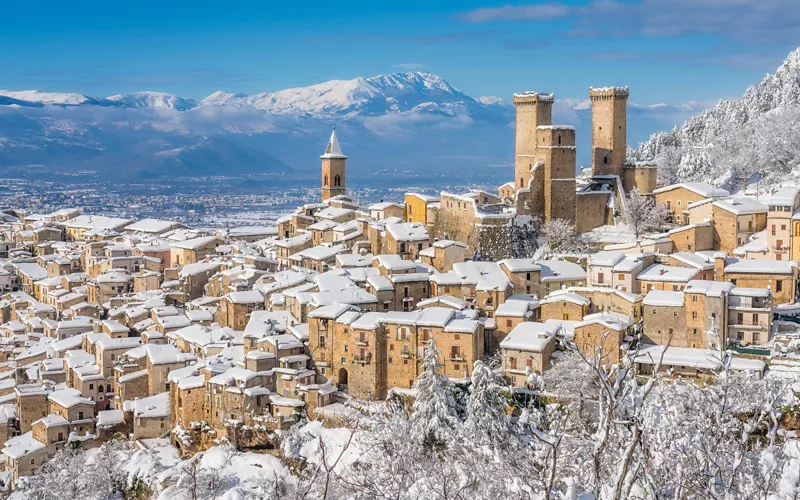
(333, 169)
(333, 150)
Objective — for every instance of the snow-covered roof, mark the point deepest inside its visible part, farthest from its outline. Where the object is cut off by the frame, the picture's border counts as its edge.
(520, 265)
(110, 418)
(750, 292)
(150, 226)
(608, 319)
(565, 296)
(153, 407)
(758, 266)
(515, 308)
(408, 231)
(606, 258)
(68, 398)
(695, 260)
(663, 298)
(701, 188)
(97, 222)
(246, 297)
(194, 243)
(530, 336)
(699, 358)
(709, 288)
(19, 446)
(782, 197)
(166, 354)
(741, 205)
(560, 270)
(658, 272)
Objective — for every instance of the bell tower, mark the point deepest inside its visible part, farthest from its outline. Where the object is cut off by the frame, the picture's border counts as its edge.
(333, 168)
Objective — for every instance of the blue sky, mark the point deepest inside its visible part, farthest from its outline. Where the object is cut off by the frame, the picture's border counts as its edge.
(665, 50)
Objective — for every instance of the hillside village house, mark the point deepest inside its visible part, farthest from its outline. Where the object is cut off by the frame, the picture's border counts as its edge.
(678, 197)
(735, 220)
(527, 349)
(781, 237)
(193, 250)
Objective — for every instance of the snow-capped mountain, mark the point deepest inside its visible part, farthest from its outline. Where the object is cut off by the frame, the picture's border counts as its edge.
(737, 142)
(158, 100)
(401, 120)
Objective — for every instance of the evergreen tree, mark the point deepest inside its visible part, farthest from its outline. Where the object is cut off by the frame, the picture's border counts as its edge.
(486, 420)
(435, 414)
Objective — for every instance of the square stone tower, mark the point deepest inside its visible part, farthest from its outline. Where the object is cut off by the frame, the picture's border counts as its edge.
(333, 169)
(556, 151)
(532, 110)
(609, 107)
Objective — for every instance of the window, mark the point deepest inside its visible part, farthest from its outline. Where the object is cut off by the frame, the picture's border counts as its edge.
(508, 323)
(513, 363)
(91, 387)
(600, 277)
(391, 347)
(755, 319)
(779, 286)
(654, 311)
(679, 202)
(390, 360)
(773, 230)
(694, 298)
(675, 313)
(80, 415)
(620, 276)
(694, 314)
(528, 276)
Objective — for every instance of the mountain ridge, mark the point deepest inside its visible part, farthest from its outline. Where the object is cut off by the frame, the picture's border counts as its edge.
(435, 125)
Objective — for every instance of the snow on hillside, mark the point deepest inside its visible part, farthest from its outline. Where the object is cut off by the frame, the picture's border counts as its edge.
(737, 142)
(158, 100)
(47, 97)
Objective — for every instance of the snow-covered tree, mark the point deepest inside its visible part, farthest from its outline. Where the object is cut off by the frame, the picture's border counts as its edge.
(486, 418)
(642, 214)
(435, 416)
(560, 237)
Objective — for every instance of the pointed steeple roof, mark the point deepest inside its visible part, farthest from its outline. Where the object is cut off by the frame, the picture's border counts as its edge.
(333, 150)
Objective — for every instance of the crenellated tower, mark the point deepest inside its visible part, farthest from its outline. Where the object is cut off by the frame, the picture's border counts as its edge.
(333, 169)
(609, 107)
(532, 111)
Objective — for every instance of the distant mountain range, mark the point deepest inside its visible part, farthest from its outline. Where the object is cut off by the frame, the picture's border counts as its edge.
(749, 143)
(402, 123)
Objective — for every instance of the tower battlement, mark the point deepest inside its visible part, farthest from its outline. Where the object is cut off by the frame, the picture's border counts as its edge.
(608, 92)
(529, 98)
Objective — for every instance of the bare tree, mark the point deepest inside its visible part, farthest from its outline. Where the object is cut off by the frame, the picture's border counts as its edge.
(642, 214)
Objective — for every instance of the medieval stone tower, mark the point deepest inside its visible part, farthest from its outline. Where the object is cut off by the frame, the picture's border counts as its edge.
(609, 107)
(555, 152)
(533, 109)
(333, 169)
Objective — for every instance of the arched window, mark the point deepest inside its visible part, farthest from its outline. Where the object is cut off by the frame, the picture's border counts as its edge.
(325, 180)
(605, 160)
(521, 182)
(337, 181)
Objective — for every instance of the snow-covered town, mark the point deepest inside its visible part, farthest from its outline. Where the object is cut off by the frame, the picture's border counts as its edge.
(598, 336)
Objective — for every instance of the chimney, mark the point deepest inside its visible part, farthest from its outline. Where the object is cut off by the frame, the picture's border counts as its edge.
(662, 271)
(719, 266)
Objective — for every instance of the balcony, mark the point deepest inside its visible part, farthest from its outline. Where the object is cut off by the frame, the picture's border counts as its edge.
(362, 342)
(405, 355)
(456, 357)
(365, 359)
